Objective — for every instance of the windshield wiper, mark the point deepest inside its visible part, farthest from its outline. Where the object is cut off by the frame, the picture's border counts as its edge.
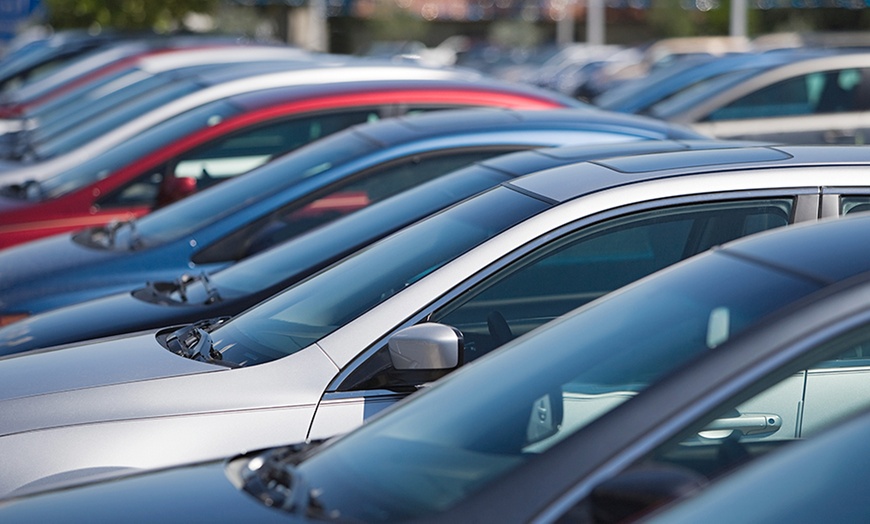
(186, 279)
(29, 190)
(274, 479)
(195, 343)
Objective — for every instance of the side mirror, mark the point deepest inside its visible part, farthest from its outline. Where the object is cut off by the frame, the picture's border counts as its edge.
(428, 346)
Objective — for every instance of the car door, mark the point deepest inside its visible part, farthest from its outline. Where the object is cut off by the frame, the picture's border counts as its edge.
(821, 107)
(558, 276)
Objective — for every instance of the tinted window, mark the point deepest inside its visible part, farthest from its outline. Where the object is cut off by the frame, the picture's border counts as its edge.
(815, 93)
(854, 204)
(597, 260)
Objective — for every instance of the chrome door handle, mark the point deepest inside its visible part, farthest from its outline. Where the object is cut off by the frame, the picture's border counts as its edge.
(745, 424)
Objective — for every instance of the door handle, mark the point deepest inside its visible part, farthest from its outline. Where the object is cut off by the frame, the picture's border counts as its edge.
(754, 424)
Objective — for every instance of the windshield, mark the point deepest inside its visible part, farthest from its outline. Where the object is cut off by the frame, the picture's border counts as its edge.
(204, 207)
(97, 126)
(313, 250)
(517, 402)
(160, 135)
(320, 305)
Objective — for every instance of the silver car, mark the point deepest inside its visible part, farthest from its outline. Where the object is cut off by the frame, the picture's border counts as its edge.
(821, 100)
(313, 361)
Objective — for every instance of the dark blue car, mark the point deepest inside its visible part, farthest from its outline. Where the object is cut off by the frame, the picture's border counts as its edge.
(308, 188)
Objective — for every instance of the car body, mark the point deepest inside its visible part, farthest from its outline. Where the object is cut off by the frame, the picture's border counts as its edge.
(314, 361)
(232, 135)
(638, 95)
(217, 227)
(191, 297)
(600, 416)
(819, 100)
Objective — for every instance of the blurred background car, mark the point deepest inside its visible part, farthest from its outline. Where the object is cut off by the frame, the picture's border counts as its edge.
(314, 360)
(639, 95)
(329, 178)
(731, 354)
(127, 83)
(226, 135)
(820, 100)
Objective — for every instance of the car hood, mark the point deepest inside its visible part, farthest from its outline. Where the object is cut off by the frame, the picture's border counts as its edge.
(87, 383)
(50, 256)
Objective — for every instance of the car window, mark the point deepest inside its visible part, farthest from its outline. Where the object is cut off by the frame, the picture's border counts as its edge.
(340, 199)
(854, 204)
(229, 156)
(580, 267)
(814, 93)
(249, 148)
(589, 263)
(792, 404)
(102, 165)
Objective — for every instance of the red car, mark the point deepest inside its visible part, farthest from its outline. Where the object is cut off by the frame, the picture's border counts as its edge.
(230, 136)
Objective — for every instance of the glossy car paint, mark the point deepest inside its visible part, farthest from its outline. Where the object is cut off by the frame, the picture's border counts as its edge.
(131, 407)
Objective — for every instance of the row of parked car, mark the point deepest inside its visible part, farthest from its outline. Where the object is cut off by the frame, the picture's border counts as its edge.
(281, 246)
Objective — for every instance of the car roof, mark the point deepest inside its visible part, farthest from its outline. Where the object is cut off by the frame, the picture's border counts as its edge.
(473, 120)
(561, 184)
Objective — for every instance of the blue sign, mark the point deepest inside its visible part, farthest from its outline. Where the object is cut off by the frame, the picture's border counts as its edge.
(12, 14)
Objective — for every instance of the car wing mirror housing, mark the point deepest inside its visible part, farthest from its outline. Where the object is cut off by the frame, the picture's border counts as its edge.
(426, 352)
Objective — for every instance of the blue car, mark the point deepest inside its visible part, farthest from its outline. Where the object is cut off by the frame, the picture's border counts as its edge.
(191, 297)
(305, 189)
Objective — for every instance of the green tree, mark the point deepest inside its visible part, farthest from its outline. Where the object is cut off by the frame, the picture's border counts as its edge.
(123, 14)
